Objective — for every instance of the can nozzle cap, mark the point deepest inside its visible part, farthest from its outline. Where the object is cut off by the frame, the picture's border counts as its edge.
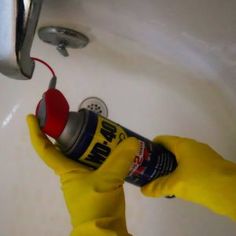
(52, 113)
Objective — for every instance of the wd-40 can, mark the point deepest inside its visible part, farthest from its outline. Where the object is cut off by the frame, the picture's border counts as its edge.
(89, 138)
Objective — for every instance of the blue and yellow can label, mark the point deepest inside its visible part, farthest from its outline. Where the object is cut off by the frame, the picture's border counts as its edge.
(102, 136)
(107, 136)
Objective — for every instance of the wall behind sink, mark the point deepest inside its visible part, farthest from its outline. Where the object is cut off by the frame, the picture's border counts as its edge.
(147, 92)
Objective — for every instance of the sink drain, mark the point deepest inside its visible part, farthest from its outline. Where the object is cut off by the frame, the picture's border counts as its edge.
(96, 105)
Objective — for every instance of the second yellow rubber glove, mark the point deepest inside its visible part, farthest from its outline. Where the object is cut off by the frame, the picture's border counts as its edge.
(202, 176)
(95, 199)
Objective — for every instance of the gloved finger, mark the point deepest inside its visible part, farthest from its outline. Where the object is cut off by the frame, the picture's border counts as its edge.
(47, 151)
(161, 187)
(120, 160)
(170, 143)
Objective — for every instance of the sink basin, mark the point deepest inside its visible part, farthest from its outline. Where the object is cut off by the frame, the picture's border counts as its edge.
(159, 72)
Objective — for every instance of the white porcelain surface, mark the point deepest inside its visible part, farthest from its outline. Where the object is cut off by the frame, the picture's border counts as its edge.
(162, 67)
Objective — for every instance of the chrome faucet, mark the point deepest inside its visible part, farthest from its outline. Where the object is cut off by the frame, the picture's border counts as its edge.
(18, 22)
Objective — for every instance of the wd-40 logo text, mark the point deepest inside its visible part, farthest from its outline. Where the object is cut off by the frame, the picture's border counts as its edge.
(101, 151)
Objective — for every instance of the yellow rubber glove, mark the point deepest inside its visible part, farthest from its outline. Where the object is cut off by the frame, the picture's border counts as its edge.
(202, 176)
(95, 199)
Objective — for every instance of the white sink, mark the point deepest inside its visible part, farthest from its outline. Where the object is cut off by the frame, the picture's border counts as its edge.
(162, 68)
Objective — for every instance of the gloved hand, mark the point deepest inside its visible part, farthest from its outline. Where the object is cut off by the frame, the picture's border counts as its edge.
(202, 176)
(95, 199)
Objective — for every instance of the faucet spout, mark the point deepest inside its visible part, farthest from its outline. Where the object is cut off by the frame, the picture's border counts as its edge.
(18, 22)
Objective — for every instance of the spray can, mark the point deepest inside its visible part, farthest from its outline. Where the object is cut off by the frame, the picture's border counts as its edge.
(89, 138)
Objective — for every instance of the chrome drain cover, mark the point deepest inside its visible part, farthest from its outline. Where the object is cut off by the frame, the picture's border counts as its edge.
(96, 105)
